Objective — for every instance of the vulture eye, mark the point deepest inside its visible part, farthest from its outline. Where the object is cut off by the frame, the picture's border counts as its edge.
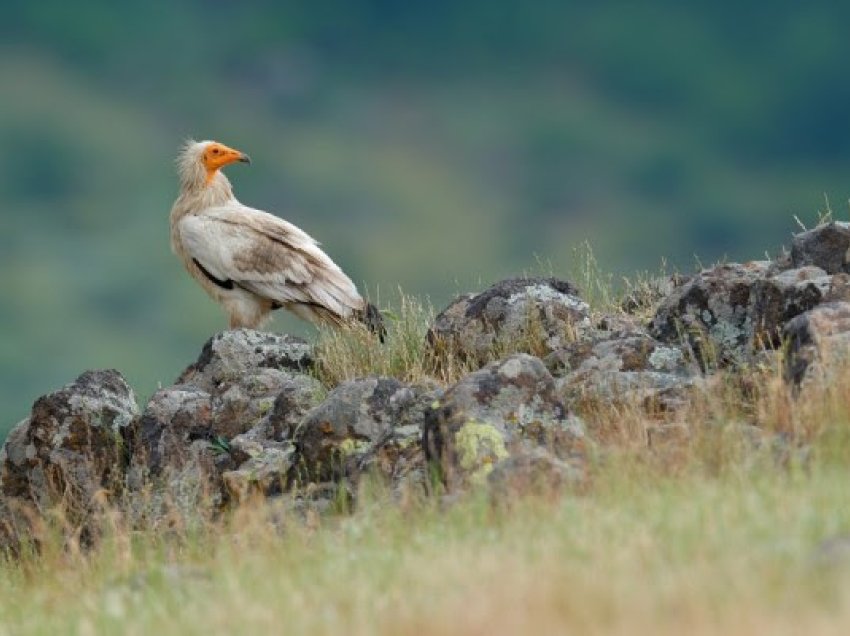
(215, 151)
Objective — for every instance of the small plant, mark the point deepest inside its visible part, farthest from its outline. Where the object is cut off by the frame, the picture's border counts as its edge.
(220, 445)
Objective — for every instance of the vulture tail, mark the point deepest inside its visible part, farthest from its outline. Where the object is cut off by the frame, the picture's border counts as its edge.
(374, 321)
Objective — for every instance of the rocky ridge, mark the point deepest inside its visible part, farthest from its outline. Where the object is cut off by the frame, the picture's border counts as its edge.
(249, 418)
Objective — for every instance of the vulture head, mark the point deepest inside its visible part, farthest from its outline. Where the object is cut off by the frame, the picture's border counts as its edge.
(200, 161)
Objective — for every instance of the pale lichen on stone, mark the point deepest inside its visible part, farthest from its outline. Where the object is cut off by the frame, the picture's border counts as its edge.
(479, 445)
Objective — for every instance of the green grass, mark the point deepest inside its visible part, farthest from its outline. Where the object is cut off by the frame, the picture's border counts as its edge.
(643, 553)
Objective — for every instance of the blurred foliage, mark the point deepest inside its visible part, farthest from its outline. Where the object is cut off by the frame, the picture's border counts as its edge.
(434, 145)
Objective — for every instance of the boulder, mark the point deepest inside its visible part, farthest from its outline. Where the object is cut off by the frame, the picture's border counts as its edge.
(727, 314)
(72, 447)
(362, 423)
(817, 339)
(176, 458)
(225, 428)
(634, 369)
(777, 299)
(711, 313)
(504, 408)
(265, 472)
(229, 355)
(826, 246)
(508, 316)
(534, 471)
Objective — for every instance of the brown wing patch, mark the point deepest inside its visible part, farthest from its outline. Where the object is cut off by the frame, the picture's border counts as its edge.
(265, 257)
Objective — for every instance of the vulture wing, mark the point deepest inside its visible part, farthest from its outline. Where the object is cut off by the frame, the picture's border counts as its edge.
(259, 252)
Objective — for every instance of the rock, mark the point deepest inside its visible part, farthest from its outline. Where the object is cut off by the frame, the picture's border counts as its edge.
(649, 293)
(613, 325)
(397, 457)
(71, 448)
(229, 355)
(505, 407)
(831, 553)
(534, 471)
(174, 468)
(360, 423)
(727, 314)
(816, 340)
(226, 428)
(265, 473)
(475, 326)
(296, 395)
(266, 398)
(195, 449)
(711, 313)
(635, 369)
(776, 300)
(826, 247)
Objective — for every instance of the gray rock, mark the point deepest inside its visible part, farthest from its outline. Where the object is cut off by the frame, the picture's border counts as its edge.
(176, 459)
(533, 471)
(499, 410)
(71, 448)
(727, 314)
(268, 397)
(776, 300)
(296, 395)
(474, 326)
(265, 473)
(196, 449)
(816, 340)
(825, 246)
(358, 424)
(711, 313)
(635, 369)
(229, 355)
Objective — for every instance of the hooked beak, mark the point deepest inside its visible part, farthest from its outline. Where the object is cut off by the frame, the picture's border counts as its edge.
(243, 158)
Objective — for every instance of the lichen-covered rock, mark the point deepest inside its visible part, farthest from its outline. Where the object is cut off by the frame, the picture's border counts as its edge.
(777, 299)
(533, 471)
(176, 458)
(711, 313)
(826, 246)
(816, 340)
(296, 395)
(397, 457)
(474, 326)
(72, 447)
(727, 314)
(188, 439)
(267, 397)
(353, 423)
(229, 355)
(636, 369)
(264, 473)
(501, 409)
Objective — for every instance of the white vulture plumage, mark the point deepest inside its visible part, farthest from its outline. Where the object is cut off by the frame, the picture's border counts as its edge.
(250, 261)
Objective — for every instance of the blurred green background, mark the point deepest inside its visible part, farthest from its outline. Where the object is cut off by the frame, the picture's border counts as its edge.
(435, 145)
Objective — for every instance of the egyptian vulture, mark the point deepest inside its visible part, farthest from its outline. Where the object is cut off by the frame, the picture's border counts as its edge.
(250, 261)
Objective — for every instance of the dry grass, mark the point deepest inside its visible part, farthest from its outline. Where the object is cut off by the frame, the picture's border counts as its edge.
(645, 552)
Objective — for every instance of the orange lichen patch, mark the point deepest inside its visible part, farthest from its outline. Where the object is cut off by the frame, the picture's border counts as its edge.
(218, 155)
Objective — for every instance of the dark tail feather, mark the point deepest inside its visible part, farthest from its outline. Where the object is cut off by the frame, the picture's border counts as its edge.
(374, 321)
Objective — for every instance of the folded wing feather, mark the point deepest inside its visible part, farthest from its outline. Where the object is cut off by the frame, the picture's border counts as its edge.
(269, 257)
